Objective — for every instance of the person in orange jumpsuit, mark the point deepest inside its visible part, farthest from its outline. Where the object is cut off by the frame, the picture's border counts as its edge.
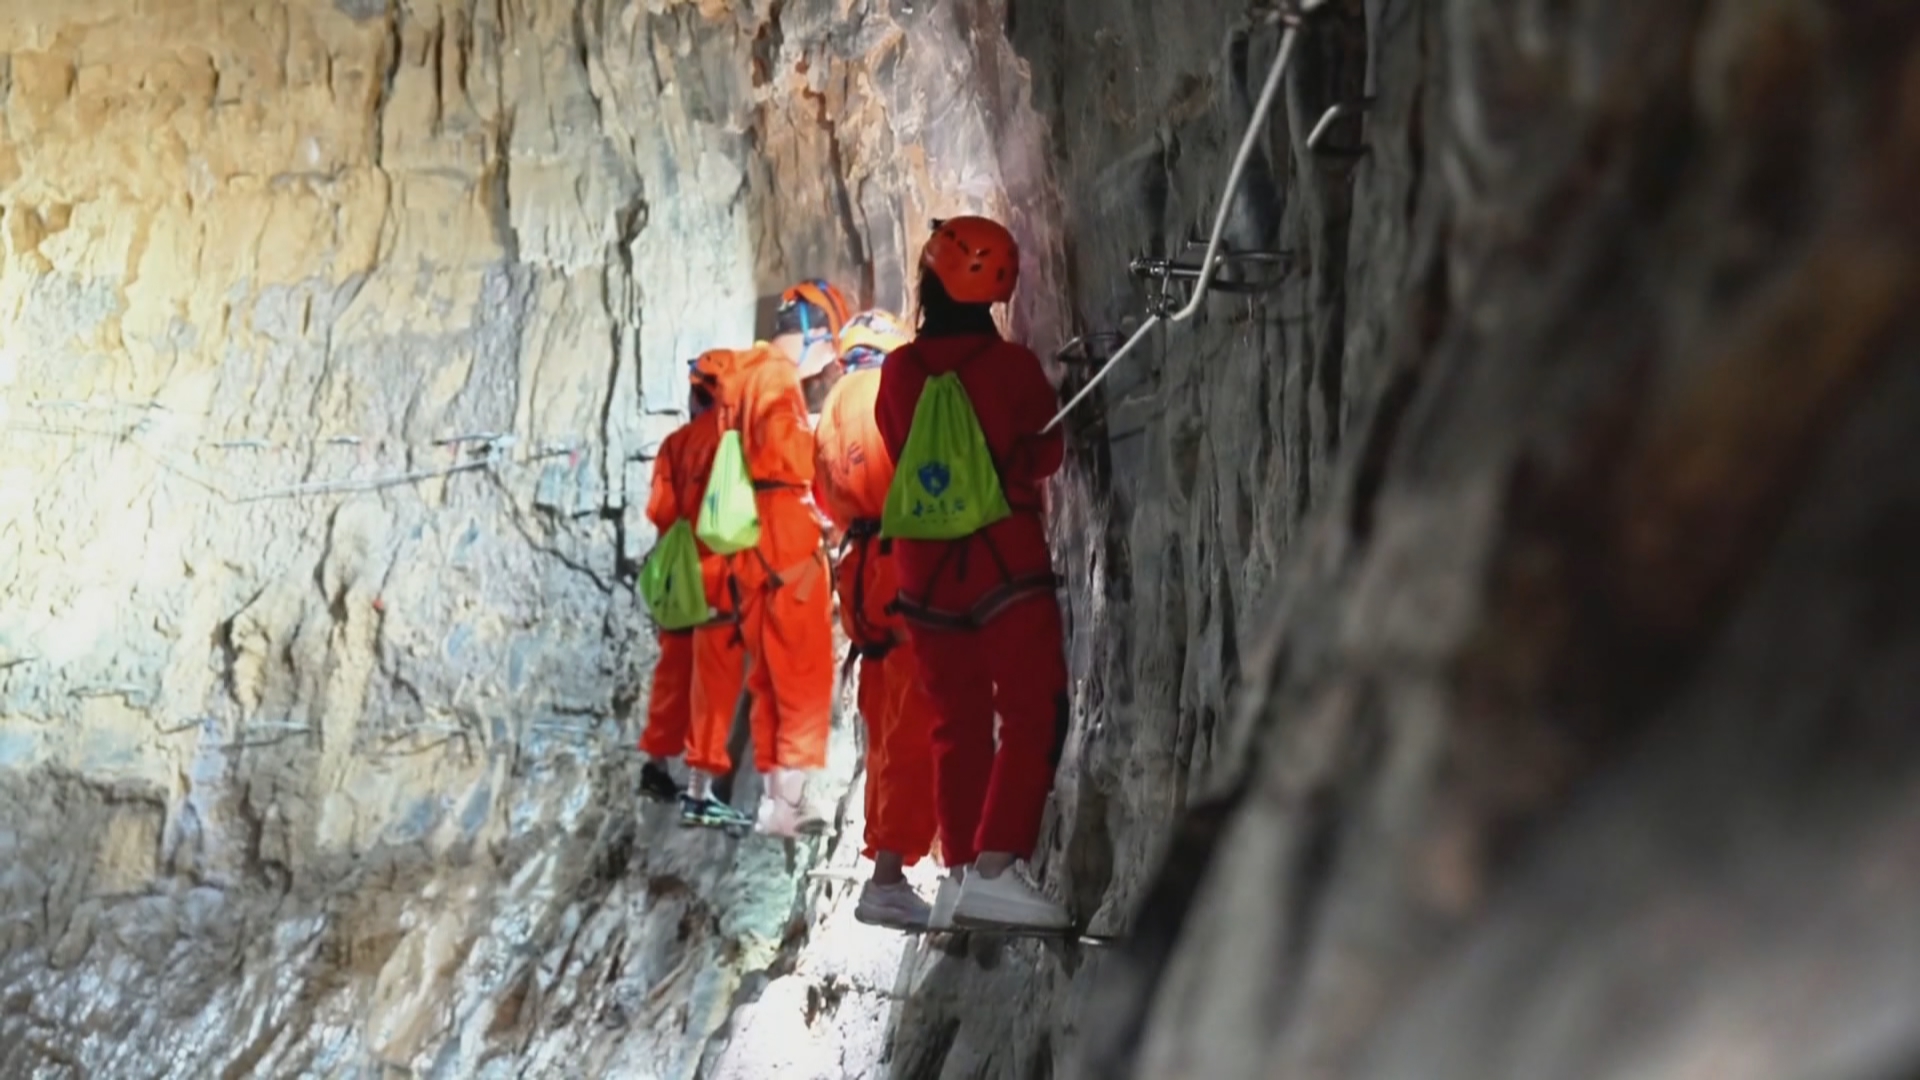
(786, 602)
(986, 628)
(852, 470)
(701, 670)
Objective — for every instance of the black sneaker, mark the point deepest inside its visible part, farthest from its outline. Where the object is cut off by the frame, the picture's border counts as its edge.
(711, 813)
(657, 783)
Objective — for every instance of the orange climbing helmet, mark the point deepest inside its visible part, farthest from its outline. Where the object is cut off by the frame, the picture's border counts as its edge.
(814, 294)
(976, 259)
(869, 337)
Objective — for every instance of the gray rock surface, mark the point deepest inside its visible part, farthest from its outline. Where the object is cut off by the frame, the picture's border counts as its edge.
(1479, 625)
(1493, 645)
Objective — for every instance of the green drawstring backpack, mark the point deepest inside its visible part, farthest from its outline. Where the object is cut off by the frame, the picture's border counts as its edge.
(945, 485)
(671, 581)
(729, 518)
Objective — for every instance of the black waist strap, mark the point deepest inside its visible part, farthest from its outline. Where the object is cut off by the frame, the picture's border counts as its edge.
(985, 610)
(777, 485)
(857, 652)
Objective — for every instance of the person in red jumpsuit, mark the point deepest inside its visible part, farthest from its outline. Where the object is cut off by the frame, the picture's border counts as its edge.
(852, 470)
(981, 612)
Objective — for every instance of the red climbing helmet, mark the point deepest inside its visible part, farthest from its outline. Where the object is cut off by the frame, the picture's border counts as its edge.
(976, 259)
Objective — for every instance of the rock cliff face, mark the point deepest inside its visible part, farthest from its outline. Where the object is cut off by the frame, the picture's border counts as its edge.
(1492, 618)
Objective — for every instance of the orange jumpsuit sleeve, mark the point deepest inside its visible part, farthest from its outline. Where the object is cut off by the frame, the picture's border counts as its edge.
(823, 499)
(663, 507)
(825, 440)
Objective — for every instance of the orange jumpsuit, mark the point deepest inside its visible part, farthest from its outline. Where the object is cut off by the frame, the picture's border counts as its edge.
(698, 679)
(852, 470)
(786, 602)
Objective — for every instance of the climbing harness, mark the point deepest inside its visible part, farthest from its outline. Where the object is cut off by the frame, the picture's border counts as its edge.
(988, 608)
(1012, 589)
(1291, 14)
(866, 641)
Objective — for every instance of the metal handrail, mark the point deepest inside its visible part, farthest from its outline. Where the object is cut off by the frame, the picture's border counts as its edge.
(1209, 265)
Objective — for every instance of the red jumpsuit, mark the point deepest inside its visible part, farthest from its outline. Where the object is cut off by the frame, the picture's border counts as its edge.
(851, 472)
(786, 599)
(985, 625)
(698, 679)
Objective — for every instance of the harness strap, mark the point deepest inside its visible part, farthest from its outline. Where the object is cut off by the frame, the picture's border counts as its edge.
(733, 590)
(723, 618)
(797, 575)
(869, 642)
(857, 652)
(988, 608)
(961, 547)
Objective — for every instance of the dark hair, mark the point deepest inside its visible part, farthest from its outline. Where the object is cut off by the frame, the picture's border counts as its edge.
(943, 316)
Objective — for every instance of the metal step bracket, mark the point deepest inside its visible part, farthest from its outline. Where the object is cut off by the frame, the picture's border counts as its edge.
(1317, 139)
(1089, 348)
(1171, 283)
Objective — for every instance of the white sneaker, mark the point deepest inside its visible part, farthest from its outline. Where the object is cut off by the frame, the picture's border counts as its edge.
(945, 899)
(895, 905)
(1007, 902)
(784, 809)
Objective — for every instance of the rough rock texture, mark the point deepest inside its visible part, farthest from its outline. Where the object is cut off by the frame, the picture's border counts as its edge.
(1494, 646)
(1548, 521)
(1501, 628)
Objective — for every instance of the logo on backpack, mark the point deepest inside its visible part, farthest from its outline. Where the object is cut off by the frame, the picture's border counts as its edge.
(935, 477)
